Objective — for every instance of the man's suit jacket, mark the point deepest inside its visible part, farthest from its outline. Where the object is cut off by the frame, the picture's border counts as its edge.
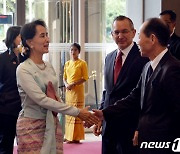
(174, 46)
(160, 102)
(127, 80)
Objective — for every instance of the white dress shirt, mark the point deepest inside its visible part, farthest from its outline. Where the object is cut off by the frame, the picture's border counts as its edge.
(156, 60)
(125, 52)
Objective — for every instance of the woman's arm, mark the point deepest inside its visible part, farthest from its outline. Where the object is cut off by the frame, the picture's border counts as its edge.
(28, 85)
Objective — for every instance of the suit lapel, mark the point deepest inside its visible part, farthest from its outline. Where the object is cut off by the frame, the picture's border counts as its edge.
(143, 87)
(111, 69)
(158, 68)
(132, 54)
(148, 88)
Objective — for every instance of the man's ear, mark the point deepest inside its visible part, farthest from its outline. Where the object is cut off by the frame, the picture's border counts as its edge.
(111, 33)
(153, 38)
(174, 24)
(134, 32)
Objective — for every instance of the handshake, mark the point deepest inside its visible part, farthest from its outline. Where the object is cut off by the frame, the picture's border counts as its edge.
(92, 118)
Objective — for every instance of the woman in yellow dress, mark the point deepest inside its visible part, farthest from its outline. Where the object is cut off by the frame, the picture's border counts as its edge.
(75, 74)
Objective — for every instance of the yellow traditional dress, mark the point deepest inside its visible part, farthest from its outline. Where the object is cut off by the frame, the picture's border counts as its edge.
(74, 71)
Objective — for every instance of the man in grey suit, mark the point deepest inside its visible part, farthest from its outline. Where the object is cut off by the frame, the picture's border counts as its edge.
(119, 80)
(157, 94)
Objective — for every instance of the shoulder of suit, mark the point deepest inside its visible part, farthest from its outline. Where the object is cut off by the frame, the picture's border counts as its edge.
(4, 53)
(23, 65)
(28, 66)
(112, 53)
(173, 60)
(135, 48)
(171, 65)
(175, 38)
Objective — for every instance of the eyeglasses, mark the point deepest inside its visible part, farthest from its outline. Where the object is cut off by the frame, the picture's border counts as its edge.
(117, 32)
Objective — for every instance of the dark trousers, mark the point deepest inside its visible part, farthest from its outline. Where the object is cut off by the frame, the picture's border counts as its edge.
(7, 133)
(117, 146)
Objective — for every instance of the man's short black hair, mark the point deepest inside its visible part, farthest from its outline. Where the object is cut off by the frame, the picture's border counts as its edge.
(157, 27)
(171, 13)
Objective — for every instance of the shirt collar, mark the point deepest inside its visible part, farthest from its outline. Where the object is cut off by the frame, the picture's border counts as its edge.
(172, 32)
(156, 61)
(126, 50)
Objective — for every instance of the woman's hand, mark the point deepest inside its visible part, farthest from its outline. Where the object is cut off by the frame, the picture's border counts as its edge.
(98, 113)
(89, 118)
(50, 92)
(70, 86)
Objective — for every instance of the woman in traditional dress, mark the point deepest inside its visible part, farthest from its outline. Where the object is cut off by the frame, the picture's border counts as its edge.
(75, 74)
(38, 128)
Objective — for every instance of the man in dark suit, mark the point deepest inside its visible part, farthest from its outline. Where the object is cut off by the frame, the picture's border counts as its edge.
(169, 17)
(117, 136)
(157, 94)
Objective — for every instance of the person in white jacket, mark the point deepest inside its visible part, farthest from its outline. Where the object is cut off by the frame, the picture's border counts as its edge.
(38, 128)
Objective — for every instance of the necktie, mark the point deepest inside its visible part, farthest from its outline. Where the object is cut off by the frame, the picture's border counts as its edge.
(149, 72)
(117, 66)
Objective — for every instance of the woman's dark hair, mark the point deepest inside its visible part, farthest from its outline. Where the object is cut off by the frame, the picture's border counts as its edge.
(28, 31)
(11, 35)
(157, 27)
(77, 46)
